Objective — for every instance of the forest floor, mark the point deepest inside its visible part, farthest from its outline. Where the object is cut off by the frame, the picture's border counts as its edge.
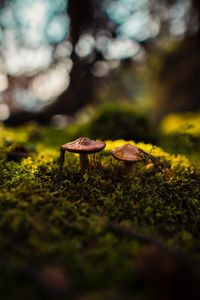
(108, 233)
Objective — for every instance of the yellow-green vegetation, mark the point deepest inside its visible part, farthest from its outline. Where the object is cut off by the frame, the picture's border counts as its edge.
(180, 133)
(182, 123)
(109, 233)
(114, 120)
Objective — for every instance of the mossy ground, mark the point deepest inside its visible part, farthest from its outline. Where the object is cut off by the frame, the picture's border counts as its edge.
(109, 233)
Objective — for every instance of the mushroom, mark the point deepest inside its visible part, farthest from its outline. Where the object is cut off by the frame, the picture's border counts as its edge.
(83, 146)
(130, 154)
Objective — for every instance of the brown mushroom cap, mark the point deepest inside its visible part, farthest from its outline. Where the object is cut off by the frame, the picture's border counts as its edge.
(127, 153)
(84, 145)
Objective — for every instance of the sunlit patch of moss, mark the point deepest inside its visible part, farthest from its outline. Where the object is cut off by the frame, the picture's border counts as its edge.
(30, 164)
(10, 136)
(180, 133)
(181, 162)
(46, 154)
(181, 123)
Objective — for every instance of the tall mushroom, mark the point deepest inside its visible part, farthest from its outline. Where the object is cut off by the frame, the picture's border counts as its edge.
(82, 146)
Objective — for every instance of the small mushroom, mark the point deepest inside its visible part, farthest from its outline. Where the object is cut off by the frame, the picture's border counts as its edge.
(83, 146)
(128, 154)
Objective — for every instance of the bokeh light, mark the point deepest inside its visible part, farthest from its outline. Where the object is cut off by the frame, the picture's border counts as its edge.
(120, 49)
(3, 82)
(4, 112)
(36, 42)
(36, 23)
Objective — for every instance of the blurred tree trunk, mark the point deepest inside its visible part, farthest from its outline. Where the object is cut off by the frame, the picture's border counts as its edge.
(175, 86)
(80, 90)
(196, 8)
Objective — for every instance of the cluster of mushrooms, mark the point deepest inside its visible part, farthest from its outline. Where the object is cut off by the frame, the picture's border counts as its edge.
(127, 153)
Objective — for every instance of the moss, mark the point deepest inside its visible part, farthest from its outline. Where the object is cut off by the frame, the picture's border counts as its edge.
(180, 133)
(114, 121)
(93, 225)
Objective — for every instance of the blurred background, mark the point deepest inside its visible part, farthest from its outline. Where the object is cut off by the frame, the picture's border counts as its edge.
(123, 62)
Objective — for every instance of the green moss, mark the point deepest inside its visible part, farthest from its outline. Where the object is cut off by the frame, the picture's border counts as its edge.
(92, 225)
(112, 121)
(180, 133)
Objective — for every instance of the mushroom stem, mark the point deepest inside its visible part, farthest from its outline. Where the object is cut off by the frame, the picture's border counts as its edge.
(128, 164)
(84, 162)
(61, 159)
